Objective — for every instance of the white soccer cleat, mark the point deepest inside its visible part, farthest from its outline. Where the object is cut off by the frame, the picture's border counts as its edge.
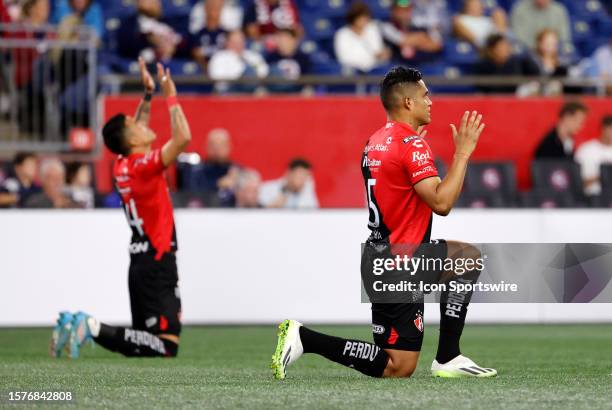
(461, 366)
(288, 349)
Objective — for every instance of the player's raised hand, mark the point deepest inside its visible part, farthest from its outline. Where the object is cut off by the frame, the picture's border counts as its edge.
(147, 79)
(466, 138)
(166, 82)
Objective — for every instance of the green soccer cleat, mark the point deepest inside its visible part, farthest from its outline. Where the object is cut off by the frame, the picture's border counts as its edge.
(460, 366)
(288, 349)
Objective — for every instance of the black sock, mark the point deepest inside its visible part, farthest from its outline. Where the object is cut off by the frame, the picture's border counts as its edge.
(134, 343)
(364, 357)
(453, 310)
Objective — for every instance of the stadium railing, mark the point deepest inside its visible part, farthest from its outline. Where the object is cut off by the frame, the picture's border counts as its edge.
(48, 88)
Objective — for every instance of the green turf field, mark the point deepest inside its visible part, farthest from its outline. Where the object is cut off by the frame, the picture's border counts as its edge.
(227, 367)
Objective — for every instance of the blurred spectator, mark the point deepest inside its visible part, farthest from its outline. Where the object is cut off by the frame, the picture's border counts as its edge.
(473, 25)
(247, 190)
(601, 64)
(219, 175)
(265, 17)
(70, 13)
(15, 190)
(431, 15)
(407, 41)
(559, 142)
(295, 190)
(78, 178)
(498, 60)
(593, 154)
(53, 195)
(212, 36)
(550, 64)
(529, 17)
(230, 17)
(359, 44)
(287, 60)
(236, 60)
(149, 35)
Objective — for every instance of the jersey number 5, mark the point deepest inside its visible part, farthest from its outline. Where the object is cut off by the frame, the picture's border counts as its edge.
(374, 221)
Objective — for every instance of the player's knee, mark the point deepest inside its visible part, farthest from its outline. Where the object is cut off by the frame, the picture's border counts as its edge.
(171, 347)
(401, 369)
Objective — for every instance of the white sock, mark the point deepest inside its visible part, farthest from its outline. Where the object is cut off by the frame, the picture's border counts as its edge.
(94, 326)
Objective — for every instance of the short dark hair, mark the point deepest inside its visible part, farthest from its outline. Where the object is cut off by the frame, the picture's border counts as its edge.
(299, 163)
(72, 169)
(606, 121)
(356, 10)
(571, 108)
(493, 40)
(397, 77)
(114, 135)
(22, 156)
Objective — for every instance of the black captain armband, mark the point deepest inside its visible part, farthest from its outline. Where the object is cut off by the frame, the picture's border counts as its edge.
(147, 97)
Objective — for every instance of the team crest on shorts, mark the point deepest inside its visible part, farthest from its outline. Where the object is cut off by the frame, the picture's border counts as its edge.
(418, 322)
(378, 329)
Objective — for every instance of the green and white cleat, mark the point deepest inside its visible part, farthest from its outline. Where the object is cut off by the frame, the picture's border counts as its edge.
(288, 349)
(460, 366)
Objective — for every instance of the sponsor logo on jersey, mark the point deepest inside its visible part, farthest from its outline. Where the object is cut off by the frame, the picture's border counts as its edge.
(422, 171)
(378, 329)
(389, 140)
(376, 147)
(421, 158)
(416, 141)
(139, 247)
(367, 162)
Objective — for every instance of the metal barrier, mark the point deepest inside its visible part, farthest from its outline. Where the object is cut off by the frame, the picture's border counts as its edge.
(48, 87)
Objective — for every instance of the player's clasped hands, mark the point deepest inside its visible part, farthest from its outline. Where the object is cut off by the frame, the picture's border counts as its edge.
(165, 81)
(466, 138)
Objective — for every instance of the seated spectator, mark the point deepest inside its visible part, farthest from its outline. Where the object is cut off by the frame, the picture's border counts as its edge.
(295, 190)
(474, 26)
(247, 189)
(230, 17)
(359, 44)
(529, 17)
(53, 195)
(78, 178)
(431, 15)
(407, 41)
(558, 144)
(600, 64)
(211, 37)
(498, 60)
(593, 154)
(287, 60)
(265, 17)
(218, 174)
(236, 61)
(149, 35)
(69, 14)
(17, 188)
(549, 63)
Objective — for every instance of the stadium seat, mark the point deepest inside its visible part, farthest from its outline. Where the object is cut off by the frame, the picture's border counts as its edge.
(317, 27)
(460, 52)
(557, 176)
(194, 200)
(493, 177)
(549, 199)
(484, 199)
(606, 178)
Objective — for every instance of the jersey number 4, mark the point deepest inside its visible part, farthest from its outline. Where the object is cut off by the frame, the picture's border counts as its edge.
(374, 221)
(132, 216)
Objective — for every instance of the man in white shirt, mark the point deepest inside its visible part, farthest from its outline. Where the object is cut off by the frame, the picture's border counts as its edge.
(296, 190)
(236, 60)
(592, 154)
(359, 44)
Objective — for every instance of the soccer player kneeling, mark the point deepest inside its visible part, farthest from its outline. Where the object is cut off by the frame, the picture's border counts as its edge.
(403, 189)
(153, 280)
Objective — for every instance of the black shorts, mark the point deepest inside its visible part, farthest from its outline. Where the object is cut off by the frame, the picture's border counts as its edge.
(400, 326)
(154, 294)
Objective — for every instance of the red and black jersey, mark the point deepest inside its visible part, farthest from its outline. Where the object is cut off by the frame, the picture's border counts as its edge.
(140, 180)
(394, 160)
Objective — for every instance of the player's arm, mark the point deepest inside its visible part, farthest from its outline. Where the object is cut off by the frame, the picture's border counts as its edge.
(181, 134)
(441, 195)
(143, 111)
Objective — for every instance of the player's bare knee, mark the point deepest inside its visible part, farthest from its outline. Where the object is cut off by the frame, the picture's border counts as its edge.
(401, 369)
